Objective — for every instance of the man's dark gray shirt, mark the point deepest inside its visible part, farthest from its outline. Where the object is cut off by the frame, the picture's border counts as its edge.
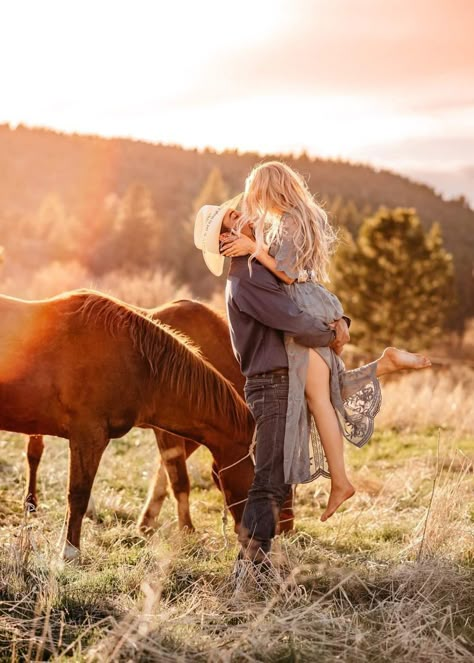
(260, 312)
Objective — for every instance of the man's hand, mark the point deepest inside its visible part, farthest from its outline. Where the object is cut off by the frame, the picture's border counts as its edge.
(235, 245)
(342, 335)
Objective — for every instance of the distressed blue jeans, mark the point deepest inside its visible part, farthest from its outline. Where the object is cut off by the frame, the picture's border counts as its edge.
(266, 395)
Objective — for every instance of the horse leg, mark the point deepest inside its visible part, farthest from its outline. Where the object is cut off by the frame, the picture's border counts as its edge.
(174, 452)
(85, 452)
(173, 455)
(156, 496)
(34, 451)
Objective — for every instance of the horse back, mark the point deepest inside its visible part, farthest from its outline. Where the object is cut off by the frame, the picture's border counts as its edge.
(208, 330)
(55, 368)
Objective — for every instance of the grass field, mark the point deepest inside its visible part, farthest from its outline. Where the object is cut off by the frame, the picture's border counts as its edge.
(390, 577)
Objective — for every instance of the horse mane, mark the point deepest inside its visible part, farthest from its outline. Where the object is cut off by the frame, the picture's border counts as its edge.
(168, 354)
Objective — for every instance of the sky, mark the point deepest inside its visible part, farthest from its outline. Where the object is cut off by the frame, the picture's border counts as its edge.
(384, 82)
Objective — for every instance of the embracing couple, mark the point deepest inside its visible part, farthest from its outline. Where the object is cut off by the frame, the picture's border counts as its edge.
(288, 332)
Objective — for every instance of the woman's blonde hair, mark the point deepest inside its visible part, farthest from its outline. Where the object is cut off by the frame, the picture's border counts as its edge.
(273, 189)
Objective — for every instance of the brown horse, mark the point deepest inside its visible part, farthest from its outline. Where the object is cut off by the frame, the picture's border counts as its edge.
(209, 331)
(87, 367)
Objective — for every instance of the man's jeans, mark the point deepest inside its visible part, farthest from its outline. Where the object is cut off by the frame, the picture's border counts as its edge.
(267, 397)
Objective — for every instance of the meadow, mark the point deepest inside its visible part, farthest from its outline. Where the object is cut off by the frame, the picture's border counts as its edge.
(389, 577)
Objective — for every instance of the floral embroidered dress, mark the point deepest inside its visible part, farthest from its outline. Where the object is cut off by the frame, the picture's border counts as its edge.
(355, 395)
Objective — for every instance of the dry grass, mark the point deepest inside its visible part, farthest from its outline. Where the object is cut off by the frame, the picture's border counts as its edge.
(147, 289)
(390, 577)
(438, 397)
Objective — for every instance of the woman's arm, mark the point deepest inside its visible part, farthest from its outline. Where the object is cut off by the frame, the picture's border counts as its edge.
(269, 262)
(243, 246)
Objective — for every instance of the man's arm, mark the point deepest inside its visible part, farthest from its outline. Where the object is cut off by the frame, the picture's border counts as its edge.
(264, 300)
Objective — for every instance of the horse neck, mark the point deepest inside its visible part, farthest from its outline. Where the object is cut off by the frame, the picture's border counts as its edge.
(209, 331)
(226, 438)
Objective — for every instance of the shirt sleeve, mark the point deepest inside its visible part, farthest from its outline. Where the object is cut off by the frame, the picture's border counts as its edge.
(264, 300)
(284, 250)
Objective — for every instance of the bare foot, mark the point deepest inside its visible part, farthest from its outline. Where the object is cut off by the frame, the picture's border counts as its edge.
(337, 496)
(394, 359)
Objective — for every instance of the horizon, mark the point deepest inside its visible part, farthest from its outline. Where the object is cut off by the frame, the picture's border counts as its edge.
(385, 85)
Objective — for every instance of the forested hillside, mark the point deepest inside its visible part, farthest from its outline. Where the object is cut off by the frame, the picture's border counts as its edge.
(89, 178)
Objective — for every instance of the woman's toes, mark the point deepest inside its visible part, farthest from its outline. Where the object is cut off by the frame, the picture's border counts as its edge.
(336, 498)
(418, 361)
(404, 359)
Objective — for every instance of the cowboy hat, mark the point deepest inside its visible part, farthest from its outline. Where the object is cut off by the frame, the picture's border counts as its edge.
(207, 228)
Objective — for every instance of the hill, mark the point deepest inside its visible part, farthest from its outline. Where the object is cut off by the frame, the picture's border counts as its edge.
(83, 170)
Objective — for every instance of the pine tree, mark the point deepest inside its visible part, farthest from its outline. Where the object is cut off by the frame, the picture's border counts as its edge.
(190, 267)
(350, 217)
(214, 192)
(334, 210)
(395, 281)
(137, 230)
(56, 229)
(99, 237)
(345, 214)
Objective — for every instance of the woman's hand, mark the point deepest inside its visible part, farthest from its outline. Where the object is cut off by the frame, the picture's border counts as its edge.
(233, 245)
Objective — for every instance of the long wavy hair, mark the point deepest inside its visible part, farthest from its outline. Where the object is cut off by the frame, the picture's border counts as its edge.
(272, 190)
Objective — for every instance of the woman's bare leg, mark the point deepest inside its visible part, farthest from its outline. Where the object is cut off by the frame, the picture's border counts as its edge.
(393, 360)
(319, 403)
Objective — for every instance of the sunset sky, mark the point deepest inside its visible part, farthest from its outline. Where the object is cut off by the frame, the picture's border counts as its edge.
(389, 82)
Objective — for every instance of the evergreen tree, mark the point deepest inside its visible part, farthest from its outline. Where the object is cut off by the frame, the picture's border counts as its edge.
(334, 210)
(136, 240)
(190, 267)
(57, 230)
(345, 214)
(51, 216)
(214, 192)
(395, 281)
(350, 217)
(99, 237)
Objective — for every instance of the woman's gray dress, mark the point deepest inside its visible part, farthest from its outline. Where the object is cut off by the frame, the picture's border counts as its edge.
(355, 395)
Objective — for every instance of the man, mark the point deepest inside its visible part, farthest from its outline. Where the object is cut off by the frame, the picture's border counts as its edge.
(260, 313)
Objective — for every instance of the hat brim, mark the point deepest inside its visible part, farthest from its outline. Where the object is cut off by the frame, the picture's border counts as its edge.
(210, 242)
(215, 263)
(206, 236)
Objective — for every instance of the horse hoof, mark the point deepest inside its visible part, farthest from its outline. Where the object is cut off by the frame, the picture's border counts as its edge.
(70, 553)
(31, 503)
(187, 529)
(31, 508)
(146, 527)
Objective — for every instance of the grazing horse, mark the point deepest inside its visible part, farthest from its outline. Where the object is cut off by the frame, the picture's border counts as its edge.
(209, 331)
(87, 367)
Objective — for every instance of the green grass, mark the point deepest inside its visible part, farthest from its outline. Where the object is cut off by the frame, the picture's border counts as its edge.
(354, 588)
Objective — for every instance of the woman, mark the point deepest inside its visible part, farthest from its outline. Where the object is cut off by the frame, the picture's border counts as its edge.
(293, 239)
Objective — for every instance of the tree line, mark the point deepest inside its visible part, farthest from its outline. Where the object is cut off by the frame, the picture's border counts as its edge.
(394, 278)
(85, 171)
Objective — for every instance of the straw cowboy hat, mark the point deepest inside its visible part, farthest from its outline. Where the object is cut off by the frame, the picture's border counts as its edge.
(207, 228)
